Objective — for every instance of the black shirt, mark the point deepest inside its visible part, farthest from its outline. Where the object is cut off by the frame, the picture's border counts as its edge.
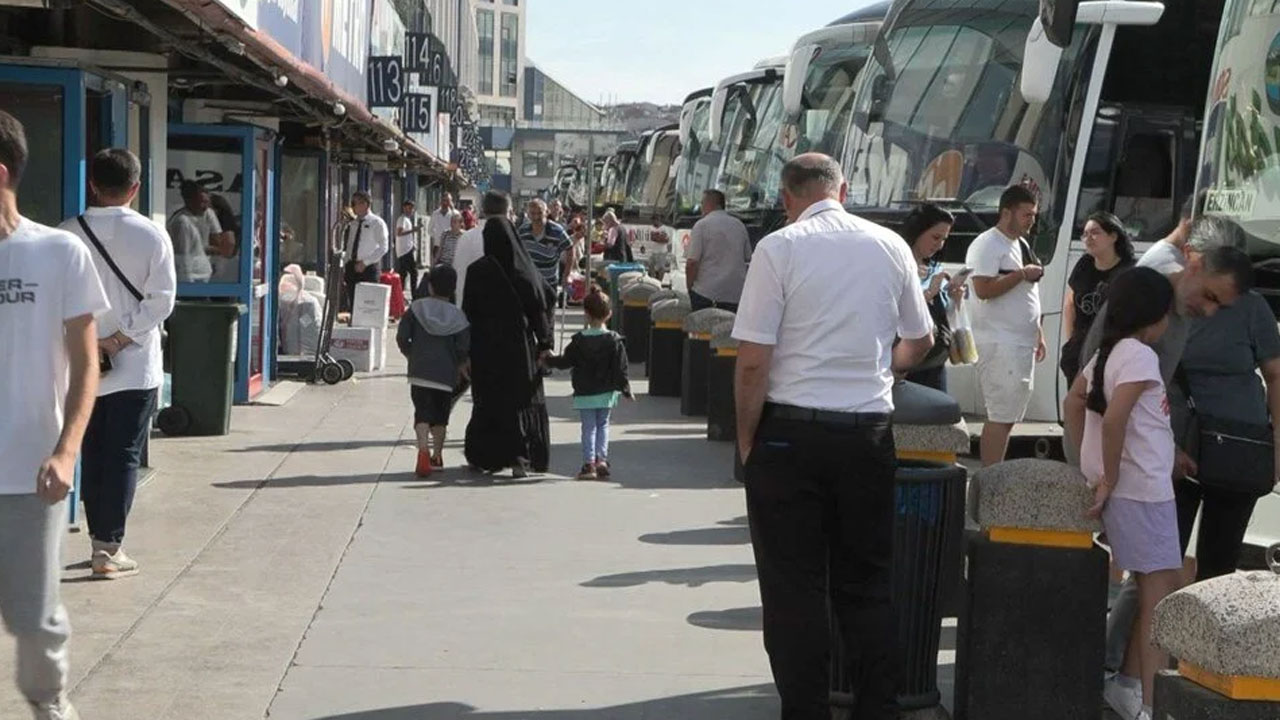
(1089, 287)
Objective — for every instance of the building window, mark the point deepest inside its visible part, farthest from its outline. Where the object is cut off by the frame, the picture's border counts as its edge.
(497, 116)
(484, 30)
(499, 161)
(513, 3)
(510, 54)
(537, 163)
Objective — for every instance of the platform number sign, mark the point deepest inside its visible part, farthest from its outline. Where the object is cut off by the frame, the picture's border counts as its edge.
(417, 52)
(449, 103)
(418, 114)
(386, 81)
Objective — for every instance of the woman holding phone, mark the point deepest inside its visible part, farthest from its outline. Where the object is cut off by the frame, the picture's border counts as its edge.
(926, 229)
(1109, 252)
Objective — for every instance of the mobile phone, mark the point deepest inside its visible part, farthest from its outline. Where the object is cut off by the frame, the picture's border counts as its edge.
(104, 362)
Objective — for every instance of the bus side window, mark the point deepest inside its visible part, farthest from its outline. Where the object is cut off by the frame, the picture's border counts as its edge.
(1144, 185)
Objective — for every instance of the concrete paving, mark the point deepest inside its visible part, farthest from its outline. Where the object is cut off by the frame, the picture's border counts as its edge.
(297, 569)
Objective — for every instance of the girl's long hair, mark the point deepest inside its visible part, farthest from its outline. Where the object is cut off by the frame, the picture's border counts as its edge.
(1138, 298)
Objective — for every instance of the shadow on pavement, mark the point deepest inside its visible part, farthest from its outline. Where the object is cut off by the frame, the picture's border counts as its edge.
(748, 618)
(305, 481)
(756, 702)
(322, 446)
(737, 535)
(689, 577)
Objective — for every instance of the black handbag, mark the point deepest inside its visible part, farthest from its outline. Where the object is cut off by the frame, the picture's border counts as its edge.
(1230, 455)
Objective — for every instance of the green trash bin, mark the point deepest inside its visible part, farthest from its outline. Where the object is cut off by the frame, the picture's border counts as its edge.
(201, 351)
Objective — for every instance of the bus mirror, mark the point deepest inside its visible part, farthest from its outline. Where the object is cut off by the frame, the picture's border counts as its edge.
(1039, 64)
(793, 80)
(1059, 20)
(715, 130)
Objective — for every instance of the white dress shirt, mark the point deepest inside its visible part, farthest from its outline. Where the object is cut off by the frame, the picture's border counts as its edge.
(142, 251)
(440, 223)
(373, 239)
(470, 248)
(830, 293)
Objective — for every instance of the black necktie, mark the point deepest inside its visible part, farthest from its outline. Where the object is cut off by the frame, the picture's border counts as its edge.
(355, 244)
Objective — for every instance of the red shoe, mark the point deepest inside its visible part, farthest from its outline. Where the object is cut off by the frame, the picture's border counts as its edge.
(424, 464)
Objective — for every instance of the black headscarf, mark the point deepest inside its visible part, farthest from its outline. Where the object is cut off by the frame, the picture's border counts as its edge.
(504, 251)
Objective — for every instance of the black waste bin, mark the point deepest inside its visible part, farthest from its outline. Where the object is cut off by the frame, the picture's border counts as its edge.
(929, 502)
(722, 416)
(693, 373)
(928, 525)
(635, 321)
(201, 343)
(666, 343)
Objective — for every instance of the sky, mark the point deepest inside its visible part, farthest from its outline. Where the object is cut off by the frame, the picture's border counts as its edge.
(662, 50)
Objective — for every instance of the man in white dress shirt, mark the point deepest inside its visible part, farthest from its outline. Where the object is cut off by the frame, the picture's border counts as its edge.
(495, 203)
(134, 260)
(825, 299)
(365, 242)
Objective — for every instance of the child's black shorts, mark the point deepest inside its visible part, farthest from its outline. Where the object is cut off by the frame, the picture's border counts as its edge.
(431, 406)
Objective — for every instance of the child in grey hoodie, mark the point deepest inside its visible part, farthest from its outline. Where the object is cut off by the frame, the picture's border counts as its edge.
(436, 338)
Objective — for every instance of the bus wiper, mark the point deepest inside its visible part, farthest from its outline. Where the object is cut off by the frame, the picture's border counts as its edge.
(949, 204)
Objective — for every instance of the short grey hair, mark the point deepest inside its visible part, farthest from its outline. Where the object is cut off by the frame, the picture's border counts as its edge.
(495, 203)
(609, 215)
(1212, 231)
(537, 201)
(812, 173)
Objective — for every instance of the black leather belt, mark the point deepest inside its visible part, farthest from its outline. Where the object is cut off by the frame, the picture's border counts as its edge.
(775, 411)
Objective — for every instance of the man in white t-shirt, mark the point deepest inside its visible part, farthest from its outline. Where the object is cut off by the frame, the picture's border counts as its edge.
(195, 232)
(719, 251)
(141, 287)
(825, 299)
(441, 219)
(49, 297)
(408, 228)
(1006, 318)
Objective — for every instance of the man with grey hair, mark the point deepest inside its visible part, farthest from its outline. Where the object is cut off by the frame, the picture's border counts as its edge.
(1209, 269)
(470, 248)
(824, 301)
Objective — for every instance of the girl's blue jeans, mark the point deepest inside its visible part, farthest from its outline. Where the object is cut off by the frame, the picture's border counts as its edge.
(595, 435)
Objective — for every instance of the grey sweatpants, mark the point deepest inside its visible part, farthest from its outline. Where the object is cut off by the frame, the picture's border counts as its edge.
(31, 533)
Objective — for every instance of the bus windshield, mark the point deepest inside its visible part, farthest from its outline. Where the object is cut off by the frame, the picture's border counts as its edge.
(613, 182)
(650, 182)
(828, 95)
(751, 172)
(1240, 172)
(699, 162)
(947, 120)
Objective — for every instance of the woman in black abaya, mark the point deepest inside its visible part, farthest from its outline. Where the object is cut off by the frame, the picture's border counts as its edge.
(505, 302)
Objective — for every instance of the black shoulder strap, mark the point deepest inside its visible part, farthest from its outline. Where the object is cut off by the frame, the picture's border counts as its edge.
(1028, 255)
(88, 231)
(1184, 384)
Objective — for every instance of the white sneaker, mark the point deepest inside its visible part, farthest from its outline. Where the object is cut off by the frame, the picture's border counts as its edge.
(109, 566)
(60, 710)
(1124, 695)
(1145, 714)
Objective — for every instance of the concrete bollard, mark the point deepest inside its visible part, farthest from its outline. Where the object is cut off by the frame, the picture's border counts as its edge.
(1033, 624)
(1225, 635)
(623, 281)
(666, 343)
(635, 318)
(722, 422)
(697, 351)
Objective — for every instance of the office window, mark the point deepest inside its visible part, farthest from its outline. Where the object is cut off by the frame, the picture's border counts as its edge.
(484, 30)
(513, 3)
(499, 161)
(537, 163)
(510, 54)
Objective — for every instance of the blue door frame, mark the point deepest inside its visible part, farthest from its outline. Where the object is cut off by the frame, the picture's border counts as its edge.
(245, 291)
(75, 83)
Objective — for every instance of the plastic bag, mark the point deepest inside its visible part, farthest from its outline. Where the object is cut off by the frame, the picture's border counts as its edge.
(964, 350)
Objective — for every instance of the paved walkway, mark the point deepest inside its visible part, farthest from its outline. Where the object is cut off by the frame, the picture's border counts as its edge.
(297, 569)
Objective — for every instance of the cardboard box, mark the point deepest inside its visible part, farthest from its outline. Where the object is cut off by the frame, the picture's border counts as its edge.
(354, 344)
(372, 306)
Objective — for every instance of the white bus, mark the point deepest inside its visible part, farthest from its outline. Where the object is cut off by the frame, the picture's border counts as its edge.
(650, 194)
(964, 97)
